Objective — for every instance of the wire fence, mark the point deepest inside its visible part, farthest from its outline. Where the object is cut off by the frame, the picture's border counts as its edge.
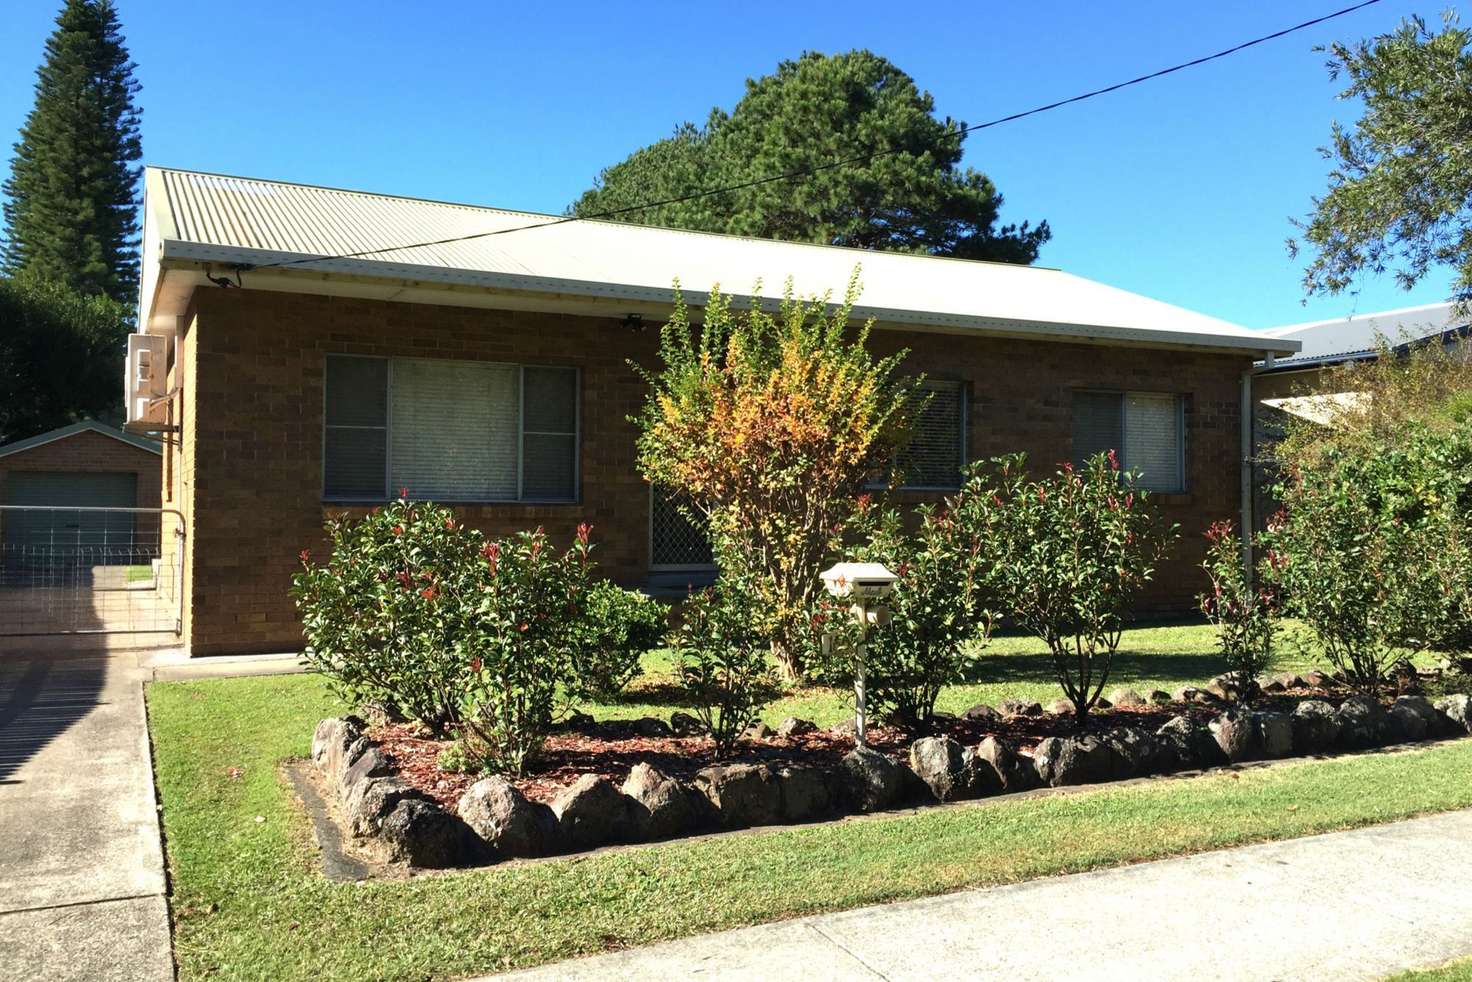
(74, 570)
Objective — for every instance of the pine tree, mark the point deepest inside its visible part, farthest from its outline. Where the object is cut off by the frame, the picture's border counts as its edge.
(72, 194)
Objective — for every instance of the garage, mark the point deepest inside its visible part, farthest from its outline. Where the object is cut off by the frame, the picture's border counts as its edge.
(56, 533)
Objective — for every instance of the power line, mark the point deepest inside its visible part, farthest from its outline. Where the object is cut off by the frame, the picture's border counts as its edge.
(841, 162)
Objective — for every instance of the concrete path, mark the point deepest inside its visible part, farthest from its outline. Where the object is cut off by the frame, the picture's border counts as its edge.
(1347, 906)
(81, 864)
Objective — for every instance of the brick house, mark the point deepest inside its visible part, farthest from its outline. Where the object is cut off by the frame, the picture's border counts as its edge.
(317, 361)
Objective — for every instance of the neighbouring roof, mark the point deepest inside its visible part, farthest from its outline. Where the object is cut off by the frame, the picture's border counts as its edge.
(72, 429)
(192, 220)
(1353, 338)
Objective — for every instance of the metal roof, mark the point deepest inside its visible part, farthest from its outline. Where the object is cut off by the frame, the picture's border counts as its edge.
(72, 429)
(1351, 338)
(194, 218)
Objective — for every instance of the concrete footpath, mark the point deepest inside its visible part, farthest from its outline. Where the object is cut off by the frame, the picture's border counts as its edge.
(1346, 906)
(81, 863)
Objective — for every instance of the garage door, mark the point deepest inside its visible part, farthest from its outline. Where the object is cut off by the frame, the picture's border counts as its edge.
(100, 538)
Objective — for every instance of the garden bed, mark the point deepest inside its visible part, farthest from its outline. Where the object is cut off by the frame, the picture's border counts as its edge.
(601, 783)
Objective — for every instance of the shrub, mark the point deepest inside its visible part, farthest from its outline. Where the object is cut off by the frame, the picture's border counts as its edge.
(382, 617)
(617, 628)
(522, 621)
(1072, 551)
(942, 607)
(770, 427)
(1241, 612)
(1371, 546)
(720, 657)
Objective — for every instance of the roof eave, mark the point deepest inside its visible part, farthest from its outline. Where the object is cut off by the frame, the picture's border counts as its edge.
(190, 255)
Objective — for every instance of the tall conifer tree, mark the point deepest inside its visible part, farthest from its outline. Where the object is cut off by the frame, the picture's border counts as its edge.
(72, 193)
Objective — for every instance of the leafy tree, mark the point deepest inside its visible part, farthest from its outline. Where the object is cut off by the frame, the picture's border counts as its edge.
(1400, 192)
(770, 427)
(61, 356)
(72, 191)
(1242, 611)
(809, 113)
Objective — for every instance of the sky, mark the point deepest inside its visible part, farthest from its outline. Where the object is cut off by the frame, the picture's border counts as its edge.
(1182, 189)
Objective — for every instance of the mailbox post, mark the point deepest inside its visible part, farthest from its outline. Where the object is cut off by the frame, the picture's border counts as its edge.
(866, 585)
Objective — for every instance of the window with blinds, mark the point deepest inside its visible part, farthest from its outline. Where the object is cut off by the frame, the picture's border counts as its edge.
(1145, 429)
(937, 449)
(449, 430)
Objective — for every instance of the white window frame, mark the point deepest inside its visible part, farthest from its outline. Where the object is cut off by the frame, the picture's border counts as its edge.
(1124, 451)
(520, 499)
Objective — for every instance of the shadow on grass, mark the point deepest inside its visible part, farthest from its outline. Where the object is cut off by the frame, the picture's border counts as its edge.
(1128, 665)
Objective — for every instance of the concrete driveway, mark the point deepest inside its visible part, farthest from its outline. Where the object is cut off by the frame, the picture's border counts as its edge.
(81, 869)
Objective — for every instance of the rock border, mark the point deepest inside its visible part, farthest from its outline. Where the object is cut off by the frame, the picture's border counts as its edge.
(495, 822)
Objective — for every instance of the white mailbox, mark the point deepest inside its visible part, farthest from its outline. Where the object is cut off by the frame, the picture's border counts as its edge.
(859, 581)
(866, 585)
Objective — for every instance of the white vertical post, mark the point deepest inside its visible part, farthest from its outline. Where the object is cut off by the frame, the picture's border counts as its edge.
(861, 655)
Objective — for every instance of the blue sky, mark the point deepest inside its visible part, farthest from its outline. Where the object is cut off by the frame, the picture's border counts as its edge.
(1181, 189)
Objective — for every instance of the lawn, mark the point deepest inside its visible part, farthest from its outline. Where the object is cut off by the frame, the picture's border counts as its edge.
(249, 903)
(1457, 971)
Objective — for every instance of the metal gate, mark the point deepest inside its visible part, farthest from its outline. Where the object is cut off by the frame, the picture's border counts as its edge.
(75, 570)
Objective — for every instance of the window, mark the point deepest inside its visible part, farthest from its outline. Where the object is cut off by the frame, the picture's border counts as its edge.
(1145, 429)
(449, 430)
(937, 448)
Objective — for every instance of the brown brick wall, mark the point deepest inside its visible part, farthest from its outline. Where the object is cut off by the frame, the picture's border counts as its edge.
(89, 452)
(250, 460)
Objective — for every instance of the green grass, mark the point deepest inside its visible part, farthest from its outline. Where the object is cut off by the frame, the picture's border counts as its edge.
(248, 901)
(1013, 666)
(139, 574)
(1457, 971)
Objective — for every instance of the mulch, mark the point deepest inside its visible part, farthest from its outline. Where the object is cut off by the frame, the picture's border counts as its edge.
(612, 748)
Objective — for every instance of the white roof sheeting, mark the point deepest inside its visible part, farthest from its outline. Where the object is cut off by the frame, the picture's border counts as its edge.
(1351, 337)
(194, 218)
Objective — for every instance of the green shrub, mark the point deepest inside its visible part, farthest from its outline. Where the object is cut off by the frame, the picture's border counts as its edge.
(1072, 552)
(383, 616)
(721, 659)
(1371, 547)
(524, 619)
(942, 607)
(1243, 613)
(617, 628)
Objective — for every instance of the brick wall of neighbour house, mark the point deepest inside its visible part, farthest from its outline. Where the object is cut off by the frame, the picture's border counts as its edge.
(249, 465)
(88, 452)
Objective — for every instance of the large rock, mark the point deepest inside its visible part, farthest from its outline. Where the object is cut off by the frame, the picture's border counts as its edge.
(743, 794)
(423, 834)
(1275, 734)
(1362, 723)
(371, 762)
(1231, 687)
(1237, 736)
(1012, 771)
(1315, 727)
(1405, 725)
(1019, 707)
(945, 767)
(1141, 753)
(591, 812)
(330, 742)
(1316, 679)
(1061, 707)
(982, 713)
(1189, 745)
(1457, 709)
(757, 731)
(509, 823)
(683, 724)
(367, 803)
(873, 781)
(1077, 760)
(805, 793)
(793, 727)
(1159, 697)
(666, 807)
(1127, 699)
(651, 727)
(1436, 723)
